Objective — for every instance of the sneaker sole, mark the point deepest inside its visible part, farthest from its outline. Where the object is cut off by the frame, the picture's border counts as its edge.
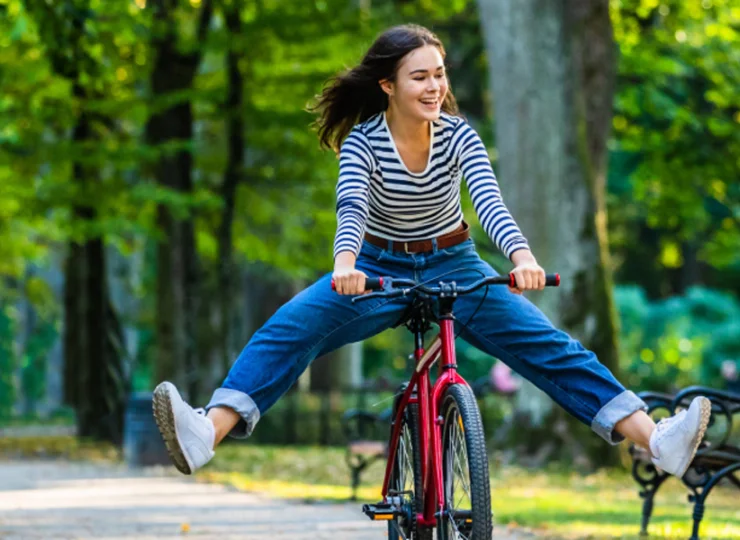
(706, 412)
(162, 406)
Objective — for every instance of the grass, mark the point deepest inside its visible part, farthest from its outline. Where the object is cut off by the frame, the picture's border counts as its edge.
(555, 504)
(61, 417)
(57, 446)
(605, 505)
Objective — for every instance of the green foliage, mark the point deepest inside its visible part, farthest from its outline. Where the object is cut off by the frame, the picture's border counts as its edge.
(34, 362)
(24, 344)
(722, 359)
(676, 125)
(8, 361)
(59, 59)
(679, 341)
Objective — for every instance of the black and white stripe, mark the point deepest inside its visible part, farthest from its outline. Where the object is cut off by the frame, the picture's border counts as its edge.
(378, 194)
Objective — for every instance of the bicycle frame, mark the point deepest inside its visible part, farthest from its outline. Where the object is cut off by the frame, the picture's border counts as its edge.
(430, 425)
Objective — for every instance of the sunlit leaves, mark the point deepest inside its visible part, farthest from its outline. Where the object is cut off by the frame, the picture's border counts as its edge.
(45, 57)
(676, 107)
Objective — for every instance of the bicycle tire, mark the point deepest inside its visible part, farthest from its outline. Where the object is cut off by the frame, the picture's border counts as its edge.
(400, 528)
(460, 410)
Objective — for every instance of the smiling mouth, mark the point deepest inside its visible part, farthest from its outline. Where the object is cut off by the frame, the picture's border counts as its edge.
(430, 102)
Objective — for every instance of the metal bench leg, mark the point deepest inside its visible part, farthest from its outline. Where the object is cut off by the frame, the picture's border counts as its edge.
(698, 516)
(651, 488)
(647, 512)
(357, 469)
(700, 497)
(355, 482)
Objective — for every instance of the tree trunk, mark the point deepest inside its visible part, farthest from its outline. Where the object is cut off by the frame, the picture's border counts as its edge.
(177, 272)
(94, 382)
(552, 65)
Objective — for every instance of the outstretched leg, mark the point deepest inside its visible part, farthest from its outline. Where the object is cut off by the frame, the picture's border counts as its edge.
(315, 322)
(511, 328)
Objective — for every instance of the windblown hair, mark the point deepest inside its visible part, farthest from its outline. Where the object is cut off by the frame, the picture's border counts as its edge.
(355, 95)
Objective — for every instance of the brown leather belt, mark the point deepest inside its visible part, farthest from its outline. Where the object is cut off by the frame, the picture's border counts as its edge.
(450, 239)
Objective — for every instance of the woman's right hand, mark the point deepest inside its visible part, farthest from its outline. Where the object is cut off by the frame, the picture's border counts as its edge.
(347, 279)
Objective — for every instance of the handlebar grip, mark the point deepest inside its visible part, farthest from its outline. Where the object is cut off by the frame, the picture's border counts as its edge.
(371, 284)
(551, 280)
(374, 284)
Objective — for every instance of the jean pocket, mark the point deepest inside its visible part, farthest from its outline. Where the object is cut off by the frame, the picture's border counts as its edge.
(371, 251)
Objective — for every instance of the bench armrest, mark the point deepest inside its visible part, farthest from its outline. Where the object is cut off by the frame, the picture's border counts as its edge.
(725, 406)
(731, 400)
(657, 400)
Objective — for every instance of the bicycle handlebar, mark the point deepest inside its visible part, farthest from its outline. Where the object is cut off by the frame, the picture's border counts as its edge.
(389, 287)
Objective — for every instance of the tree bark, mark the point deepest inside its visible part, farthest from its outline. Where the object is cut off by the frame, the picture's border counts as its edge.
(94, 382)
(552, 70)
(177, 269)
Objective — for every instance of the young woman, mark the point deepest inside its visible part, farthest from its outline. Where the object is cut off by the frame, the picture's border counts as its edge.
(403, 152)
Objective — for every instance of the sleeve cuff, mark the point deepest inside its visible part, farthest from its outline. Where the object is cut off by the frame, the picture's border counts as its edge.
(345, 249)
(517, 247)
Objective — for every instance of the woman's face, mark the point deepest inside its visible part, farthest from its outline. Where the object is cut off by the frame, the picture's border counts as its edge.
(420, 86)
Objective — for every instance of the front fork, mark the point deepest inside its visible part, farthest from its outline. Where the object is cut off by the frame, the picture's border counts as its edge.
(430, 428)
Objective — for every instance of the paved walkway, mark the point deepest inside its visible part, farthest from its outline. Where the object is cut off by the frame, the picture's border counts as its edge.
(56, 499)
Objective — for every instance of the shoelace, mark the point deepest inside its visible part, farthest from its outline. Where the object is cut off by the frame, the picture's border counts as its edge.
(666, 423)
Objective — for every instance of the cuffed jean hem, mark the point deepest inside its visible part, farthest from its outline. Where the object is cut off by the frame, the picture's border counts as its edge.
(619, 408)
(240, 403)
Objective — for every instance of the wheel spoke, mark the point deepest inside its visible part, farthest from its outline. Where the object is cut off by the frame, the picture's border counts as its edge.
(458, 491)
(461, 462)
(404, 484)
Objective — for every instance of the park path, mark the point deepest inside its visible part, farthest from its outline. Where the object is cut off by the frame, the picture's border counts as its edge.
(58, 499)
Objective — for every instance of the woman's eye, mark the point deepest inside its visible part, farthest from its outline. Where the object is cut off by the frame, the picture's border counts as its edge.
(440, 76)
(418, 78)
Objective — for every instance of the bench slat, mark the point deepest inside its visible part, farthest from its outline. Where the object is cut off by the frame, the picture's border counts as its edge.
(367, 447)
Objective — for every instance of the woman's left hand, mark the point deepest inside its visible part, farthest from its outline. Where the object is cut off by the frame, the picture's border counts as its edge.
(528, 274)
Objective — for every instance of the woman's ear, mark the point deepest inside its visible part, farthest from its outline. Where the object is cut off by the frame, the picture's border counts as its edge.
(386, 86)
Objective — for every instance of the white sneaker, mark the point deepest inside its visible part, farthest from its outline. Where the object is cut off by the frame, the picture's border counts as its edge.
(188, 434)
(675, 439)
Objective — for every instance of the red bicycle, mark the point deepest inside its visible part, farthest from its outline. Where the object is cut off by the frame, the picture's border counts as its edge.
(437, 469)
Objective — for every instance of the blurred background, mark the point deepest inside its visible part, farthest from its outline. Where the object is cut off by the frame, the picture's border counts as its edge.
(162, 193)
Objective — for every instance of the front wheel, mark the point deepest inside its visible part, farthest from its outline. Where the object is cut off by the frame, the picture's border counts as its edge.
(465, 469)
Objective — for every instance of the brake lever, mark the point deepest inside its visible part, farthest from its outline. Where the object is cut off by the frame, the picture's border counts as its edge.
(390, 293)
(368, 296)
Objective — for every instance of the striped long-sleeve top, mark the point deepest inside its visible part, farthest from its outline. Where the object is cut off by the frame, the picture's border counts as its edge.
(377, 193)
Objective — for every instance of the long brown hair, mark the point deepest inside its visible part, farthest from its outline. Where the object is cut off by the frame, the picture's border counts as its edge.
(355, 95)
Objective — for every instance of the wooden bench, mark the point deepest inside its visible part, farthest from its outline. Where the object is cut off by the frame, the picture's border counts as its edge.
(367, 441)
(716, 460)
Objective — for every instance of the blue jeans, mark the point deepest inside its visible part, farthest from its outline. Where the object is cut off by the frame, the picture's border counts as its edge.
(507, 326)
